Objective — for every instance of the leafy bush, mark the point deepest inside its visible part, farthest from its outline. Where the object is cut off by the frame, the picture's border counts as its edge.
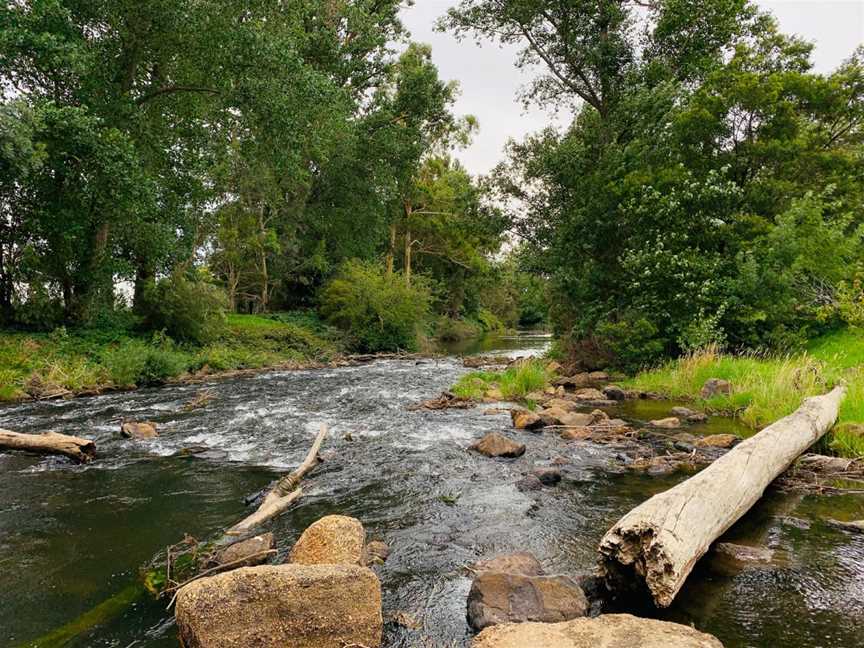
(192, 311)
(125, 363)
(379, 311)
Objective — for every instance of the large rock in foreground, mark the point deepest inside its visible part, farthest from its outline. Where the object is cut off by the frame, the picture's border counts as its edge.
(606, 631)
(274, 606)
(500, 597)
(332, 540)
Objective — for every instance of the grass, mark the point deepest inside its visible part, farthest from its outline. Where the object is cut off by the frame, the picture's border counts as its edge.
(766, 388)
(514, 383)
(89, 360)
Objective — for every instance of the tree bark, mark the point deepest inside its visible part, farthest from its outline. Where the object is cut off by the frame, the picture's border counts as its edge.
(657, 544)
(49, 443)
(391, 251)
(407, 269)
(286, 491)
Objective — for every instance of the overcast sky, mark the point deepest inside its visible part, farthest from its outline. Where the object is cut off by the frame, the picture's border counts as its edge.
(489, 81)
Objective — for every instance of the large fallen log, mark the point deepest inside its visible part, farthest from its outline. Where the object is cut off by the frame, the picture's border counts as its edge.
(657, 544)
(49, 443)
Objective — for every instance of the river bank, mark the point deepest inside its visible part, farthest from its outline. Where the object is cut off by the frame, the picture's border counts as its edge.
(75, 536)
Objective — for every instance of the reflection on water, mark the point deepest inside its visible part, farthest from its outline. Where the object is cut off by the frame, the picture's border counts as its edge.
(72, 536)
(524, 343)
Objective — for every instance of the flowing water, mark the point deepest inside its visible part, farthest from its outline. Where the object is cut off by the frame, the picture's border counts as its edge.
(72, 537)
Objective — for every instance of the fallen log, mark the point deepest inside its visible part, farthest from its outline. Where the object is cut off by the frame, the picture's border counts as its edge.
(49, 443)
(656, 545)
(286, 490)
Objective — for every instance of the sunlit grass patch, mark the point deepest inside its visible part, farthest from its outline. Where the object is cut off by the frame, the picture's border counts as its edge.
(514, 383)
(766, 388)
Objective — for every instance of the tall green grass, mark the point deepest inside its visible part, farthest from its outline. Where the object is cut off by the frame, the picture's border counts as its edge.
(766, 388)
(514, 383)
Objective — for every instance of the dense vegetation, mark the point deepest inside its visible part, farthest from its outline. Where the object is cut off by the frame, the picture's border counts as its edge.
(152, 178)
(709, 188)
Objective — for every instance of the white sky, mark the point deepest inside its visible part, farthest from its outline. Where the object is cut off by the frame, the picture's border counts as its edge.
(489, 81)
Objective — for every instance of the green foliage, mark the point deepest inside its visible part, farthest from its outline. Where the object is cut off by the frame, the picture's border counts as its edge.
(709, 185)
(192, 311)
(379, 311)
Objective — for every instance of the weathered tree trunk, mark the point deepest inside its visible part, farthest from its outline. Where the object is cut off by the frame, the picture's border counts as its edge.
(657, 544)
(49, 443)
(286, 491)
(407, 269)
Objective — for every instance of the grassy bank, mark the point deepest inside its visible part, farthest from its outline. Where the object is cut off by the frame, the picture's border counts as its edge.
(514, 383)
(62, 362)
(766, 388)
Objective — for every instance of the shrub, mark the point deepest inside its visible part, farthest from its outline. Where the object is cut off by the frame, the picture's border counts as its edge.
(379, 311)
(192, 311)
(125, 363)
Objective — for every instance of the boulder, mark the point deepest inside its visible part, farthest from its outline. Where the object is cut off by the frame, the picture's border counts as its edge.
(135, 430)
(614, 392)
(578, 419)
(249, 552)
(689, 415)
(494, 444)
(494, 394)
(332, 540)
(598, 376)
(377, 552)
(529, 483)
(577, 380)
(589, 394)
(605, 631)
(537, 396)
(273, 606)
(499, 597)
(560, 403)
(686, 437)
(553, 415)
(717, 441)
(526, 419)
(554, 367)
(547, 475)
(744, 553)
(521, 562)
(714, 387)
(670, 423)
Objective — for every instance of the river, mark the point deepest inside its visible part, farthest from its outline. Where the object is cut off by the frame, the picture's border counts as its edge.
(73, 536)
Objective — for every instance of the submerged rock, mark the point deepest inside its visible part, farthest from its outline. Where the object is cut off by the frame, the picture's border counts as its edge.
(670, 423)
(332, 540)
(273, 606)
(589, 394)
(529, 483)
(521, 562)
(377, 552)
(614, 392)
(561, 403)
(500, 597)
(689, 415)
(605, 631)
(856, 526)
(717, 441)
(135, 430)
(714, 387)
(547, 475)
(249, 552)
(744, 553)
(494, 444)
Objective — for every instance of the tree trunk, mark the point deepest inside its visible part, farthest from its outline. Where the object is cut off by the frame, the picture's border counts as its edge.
(50, 443)
(391, 251)
(407, 269)
(286, 491)
(657, 544)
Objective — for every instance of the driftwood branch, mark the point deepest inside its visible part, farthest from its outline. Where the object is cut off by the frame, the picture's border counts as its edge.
(286, 491)
(49, 443)
(658, 543)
